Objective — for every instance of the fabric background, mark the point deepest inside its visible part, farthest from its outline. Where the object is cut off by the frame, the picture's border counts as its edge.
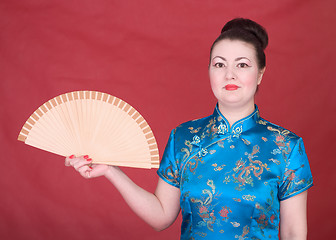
(153, 55)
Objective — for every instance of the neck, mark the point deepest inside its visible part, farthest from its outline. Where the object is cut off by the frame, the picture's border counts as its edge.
(234, 114)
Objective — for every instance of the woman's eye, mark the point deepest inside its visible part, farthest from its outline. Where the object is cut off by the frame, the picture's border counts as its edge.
(242, 65)
(219, 65)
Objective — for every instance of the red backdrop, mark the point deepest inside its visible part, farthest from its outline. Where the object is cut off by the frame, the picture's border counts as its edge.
(153, 55)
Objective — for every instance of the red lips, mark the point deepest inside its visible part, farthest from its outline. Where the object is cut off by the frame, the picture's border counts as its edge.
(231, 87)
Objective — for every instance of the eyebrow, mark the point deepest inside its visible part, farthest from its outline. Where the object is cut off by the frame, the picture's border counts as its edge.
(240, 58)
(237, 59)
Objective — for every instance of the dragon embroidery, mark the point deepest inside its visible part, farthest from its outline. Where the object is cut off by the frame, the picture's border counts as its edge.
(244, 169)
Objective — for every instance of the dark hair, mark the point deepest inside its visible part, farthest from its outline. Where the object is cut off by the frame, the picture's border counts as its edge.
(247, 31)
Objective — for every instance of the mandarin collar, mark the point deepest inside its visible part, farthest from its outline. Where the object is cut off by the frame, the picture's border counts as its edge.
(242, 125)
(218, 128)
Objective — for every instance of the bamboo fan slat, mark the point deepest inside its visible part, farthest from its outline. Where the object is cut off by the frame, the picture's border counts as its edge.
(92, 123)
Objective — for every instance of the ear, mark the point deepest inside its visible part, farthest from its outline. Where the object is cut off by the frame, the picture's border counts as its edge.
(260, 75)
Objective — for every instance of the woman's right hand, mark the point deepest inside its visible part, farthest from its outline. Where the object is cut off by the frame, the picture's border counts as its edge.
(84, 166)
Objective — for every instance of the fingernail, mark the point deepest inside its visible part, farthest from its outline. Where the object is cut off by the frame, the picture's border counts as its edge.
(72, 156)
(89, 159)
(86, 156)
(90, 167)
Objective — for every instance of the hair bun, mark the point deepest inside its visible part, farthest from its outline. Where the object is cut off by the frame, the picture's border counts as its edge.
(242, 24)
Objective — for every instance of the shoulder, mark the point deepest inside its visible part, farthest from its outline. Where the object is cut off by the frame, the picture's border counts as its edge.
(276, 129)
(281, 136)
(192, 127)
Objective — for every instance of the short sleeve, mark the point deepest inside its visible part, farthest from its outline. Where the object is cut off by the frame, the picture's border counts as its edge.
(297, 176)
(168, 170)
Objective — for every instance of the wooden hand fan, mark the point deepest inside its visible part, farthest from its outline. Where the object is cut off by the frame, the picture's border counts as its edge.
(97, 124)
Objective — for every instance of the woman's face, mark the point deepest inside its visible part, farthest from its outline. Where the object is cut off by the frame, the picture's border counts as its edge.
(234, 73)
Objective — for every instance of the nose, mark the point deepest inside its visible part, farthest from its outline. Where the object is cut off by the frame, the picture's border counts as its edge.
(230, 74)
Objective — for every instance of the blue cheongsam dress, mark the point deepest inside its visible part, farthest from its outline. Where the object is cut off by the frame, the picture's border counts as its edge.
(232, 179)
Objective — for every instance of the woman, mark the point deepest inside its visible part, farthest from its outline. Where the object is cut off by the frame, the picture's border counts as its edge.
(233, 174)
